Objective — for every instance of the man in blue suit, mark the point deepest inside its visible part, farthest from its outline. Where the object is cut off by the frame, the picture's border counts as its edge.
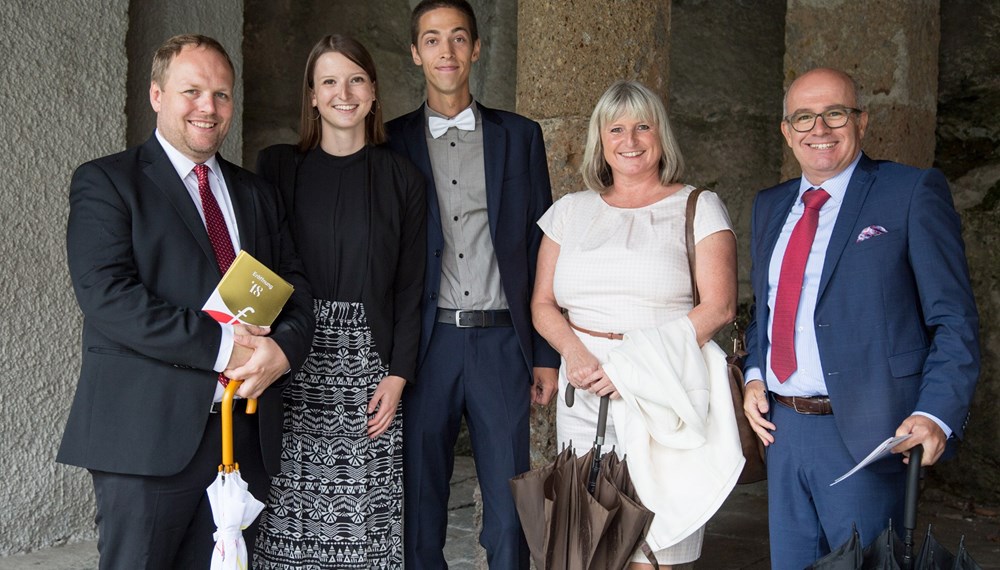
(480, 357)
(864, 325)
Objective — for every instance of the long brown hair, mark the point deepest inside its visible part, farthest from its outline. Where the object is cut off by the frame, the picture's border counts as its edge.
(309, 125)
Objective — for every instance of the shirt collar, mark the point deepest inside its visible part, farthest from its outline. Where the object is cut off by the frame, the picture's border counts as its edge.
(836, 187)
(182, 164)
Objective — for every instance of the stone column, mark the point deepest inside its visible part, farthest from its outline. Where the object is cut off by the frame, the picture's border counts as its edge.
(890, 47)
(569, 52)
(63, 74)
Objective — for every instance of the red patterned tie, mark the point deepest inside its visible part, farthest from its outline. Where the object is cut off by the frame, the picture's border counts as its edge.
(793, 267)
(218, 232)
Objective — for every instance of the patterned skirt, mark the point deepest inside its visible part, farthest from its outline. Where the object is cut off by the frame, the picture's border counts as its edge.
(337, 502)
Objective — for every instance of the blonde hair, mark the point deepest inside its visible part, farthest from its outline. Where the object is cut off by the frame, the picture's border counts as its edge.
(635, 100)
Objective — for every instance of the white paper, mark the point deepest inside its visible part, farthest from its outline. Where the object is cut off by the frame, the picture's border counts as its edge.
(883, 449)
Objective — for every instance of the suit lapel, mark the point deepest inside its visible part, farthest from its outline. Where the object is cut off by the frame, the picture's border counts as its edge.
(244, 205)
(854, 199)
(494, 159)
(775, 217)
(161, 172)
(415, 139)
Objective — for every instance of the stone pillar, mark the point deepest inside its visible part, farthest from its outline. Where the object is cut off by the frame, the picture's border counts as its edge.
(63, 74)
(895, 63)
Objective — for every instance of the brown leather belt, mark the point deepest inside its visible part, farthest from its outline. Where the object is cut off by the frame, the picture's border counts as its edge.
(612, 336)
(814, 406)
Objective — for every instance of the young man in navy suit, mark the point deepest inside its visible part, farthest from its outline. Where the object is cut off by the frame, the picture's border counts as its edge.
(488, 183)
(864, 325)
(151, 230)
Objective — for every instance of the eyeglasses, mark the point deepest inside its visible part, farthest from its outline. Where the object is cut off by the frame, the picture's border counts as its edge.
(833, 118)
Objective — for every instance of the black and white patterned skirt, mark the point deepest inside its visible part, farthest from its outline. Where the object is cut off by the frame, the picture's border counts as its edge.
(337, 502)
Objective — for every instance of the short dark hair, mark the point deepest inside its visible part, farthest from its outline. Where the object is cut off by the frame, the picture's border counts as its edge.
(428, 5)
(173, 46)
(309, 125)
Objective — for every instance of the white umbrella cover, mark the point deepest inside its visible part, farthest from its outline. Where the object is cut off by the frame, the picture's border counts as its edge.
(234, 509)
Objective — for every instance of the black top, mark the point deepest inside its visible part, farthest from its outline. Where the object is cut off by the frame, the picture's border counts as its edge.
(359, 224)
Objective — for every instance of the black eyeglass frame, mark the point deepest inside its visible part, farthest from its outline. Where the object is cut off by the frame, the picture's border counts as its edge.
(848, 111)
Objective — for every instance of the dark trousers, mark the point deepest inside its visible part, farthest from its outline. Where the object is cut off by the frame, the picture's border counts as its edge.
(165, 523)
(478, 373)
(806, 516)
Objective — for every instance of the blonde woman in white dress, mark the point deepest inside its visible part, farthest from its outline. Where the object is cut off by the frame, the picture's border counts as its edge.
(614, 258)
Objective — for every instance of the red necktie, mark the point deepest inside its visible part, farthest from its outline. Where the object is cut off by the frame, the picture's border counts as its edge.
(793, 266)
(218, 232)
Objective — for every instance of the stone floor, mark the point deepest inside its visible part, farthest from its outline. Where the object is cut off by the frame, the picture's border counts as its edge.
(736, 538)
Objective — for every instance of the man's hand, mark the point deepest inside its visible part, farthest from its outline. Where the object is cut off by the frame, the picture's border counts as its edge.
(266, 364)
(545, 385)
(383, 405)
(755, 406)
(925, 431)
(241, 354)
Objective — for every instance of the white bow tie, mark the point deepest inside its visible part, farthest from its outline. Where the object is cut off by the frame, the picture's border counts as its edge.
(466, 120)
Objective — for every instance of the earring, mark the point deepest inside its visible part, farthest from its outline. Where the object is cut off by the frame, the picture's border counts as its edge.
(374, 106)
(316, 117)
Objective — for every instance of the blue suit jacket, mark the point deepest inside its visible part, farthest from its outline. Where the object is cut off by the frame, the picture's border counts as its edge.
(518, 192)
(895, 318)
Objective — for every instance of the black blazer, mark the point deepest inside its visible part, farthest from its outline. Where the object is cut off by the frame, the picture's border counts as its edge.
(142, 267)
(397, 231)
(517, 194)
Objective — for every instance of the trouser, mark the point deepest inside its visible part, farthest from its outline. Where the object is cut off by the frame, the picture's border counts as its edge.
(478, 373)
(156, 523)
(808, 517)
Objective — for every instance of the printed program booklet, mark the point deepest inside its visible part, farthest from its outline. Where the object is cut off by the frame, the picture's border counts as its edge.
(883, 449)
(248, 293)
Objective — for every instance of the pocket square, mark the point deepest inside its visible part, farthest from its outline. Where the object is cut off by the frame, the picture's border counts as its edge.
(870, 232)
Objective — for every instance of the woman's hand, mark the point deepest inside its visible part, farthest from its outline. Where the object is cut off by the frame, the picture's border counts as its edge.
(580, 366)
(601, 385)
(384, 403)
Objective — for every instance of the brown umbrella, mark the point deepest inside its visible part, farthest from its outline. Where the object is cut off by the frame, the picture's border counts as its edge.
(580, 513)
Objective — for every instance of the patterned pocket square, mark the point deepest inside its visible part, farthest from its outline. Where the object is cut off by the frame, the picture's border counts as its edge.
(870, 232)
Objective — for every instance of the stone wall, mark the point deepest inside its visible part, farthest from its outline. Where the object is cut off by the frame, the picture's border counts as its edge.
(62, 91)
(276, 59)
(968, 151)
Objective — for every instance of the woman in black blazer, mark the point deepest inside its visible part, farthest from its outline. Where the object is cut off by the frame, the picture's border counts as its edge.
(357, 213)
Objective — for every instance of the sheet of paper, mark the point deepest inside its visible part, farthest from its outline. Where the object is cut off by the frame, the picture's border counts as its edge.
(882, 450)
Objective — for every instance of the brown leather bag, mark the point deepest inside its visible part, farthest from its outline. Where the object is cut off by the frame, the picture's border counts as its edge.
(753, 449)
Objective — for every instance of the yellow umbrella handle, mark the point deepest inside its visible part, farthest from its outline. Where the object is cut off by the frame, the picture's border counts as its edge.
(228, 465)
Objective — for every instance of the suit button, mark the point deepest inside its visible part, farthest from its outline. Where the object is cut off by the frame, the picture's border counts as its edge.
(434, 296)
(437, 253)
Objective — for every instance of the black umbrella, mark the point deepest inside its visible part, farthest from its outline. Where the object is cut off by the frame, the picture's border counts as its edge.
(848, 557)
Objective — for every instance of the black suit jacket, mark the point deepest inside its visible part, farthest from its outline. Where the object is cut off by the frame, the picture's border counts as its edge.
(142, 267)
(518, 192)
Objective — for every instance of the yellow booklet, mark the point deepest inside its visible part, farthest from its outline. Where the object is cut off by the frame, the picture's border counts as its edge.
(248, 293)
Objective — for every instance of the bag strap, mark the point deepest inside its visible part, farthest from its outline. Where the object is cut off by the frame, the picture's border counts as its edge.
(692, 207)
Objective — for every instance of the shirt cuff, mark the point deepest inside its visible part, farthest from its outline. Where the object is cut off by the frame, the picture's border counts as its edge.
(941, 424)
(225, 347)
(752, 373)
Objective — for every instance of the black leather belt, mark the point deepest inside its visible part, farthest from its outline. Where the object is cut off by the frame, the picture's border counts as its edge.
(466, 318)
(814, 406)
(238, 404)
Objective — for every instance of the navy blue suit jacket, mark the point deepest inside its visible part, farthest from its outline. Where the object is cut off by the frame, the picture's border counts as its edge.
(518, 192)
(895, 318)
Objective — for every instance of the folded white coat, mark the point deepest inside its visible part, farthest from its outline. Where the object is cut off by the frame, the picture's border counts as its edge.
(676, 426)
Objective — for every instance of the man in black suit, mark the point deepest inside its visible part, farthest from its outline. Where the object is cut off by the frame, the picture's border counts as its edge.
(150, 232)
(480, 357)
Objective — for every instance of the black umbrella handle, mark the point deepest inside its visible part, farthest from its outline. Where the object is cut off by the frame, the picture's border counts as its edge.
(910, 505)
(602, 421)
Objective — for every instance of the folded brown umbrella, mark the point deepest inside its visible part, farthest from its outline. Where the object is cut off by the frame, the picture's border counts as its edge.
(568, 527)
